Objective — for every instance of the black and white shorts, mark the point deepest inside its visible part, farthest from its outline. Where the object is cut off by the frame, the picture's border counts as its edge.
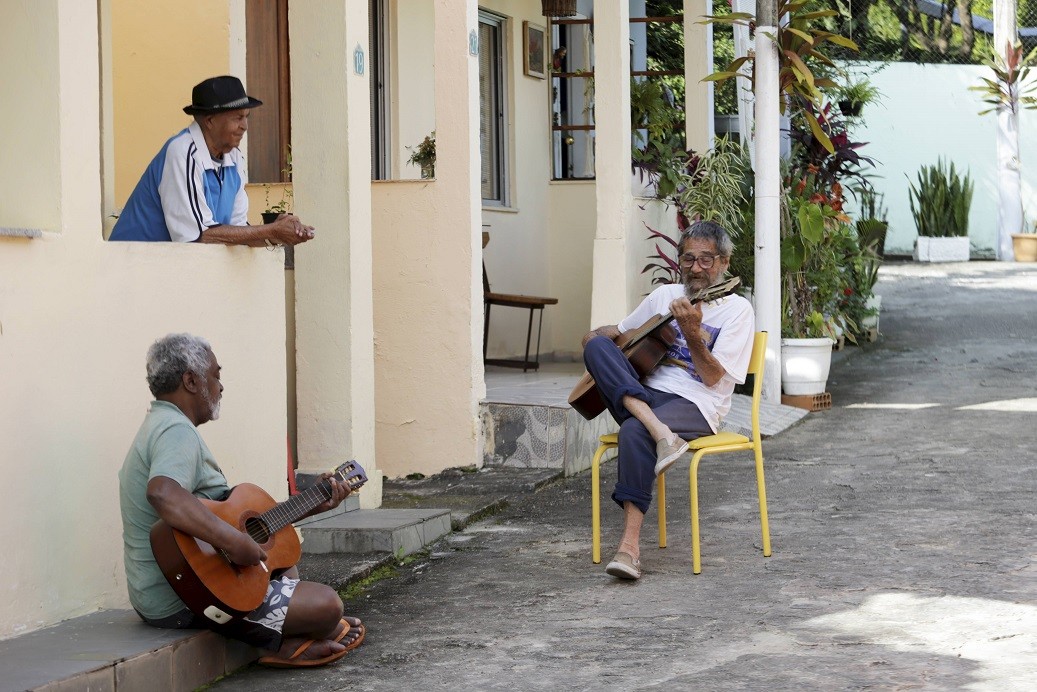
(262, 628)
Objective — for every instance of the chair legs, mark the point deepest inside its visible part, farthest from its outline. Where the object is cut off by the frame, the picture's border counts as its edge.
(596, 502)
(761, 489)
(660, 492)
(693, 482)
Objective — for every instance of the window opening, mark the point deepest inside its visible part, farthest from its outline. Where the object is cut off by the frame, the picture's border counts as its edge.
(572, 90)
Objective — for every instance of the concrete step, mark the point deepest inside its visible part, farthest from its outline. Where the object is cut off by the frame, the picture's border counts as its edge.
(114, 650)
(394, 531)
(470, 493)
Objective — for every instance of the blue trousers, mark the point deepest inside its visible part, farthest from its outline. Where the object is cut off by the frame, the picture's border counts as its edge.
(616, 378)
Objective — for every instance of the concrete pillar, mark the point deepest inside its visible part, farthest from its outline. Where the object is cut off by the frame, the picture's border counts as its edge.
(614, 268)
(698, 62)
(332, 175)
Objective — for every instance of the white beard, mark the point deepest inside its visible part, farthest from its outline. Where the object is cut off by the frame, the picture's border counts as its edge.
(214, 406)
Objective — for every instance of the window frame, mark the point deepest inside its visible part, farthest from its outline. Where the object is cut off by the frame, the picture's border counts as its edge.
(500, 26)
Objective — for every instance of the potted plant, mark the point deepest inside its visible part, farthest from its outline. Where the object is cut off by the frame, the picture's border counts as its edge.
(940, 206)
(852, 97)
(872, 222)
(271, 210)
(811, 282)
(1025, 244)
(424, 156)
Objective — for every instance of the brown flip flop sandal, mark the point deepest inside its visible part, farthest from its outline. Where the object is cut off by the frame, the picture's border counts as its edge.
(350, 623)
(294, 661)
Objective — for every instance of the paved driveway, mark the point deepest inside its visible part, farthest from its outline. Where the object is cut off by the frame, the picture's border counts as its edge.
(902, 521)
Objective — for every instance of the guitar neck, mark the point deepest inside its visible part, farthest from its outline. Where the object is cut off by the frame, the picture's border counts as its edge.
(297, 506)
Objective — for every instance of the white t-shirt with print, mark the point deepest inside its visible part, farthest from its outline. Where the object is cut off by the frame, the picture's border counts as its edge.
(727, 328)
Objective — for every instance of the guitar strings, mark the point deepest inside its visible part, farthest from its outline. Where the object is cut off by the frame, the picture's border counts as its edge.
(278, 517)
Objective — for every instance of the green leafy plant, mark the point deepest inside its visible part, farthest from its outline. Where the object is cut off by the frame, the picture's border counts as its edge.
(716, 186)
(800, 35)
(284, 204)
(1011, 87)
(812, 273)
(941, 201)
(281, 206)
(854, 96)
(424, 155)
(656, 122)
(872, 223)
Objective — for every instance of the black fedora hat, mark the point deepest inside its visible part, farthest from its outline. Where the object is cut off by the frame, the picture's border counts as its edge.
(218, 94)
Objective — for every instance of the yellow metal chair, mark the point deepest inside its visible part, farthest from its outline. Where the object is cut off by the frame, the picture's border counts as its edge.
(711, 444)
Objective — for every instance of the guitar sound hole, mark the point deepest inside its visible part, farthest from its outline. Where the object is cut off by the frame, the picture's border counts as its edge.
(257, 530)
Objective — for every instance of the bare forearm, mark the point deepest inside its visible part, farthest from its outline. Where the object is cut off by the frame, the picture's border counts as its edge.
(609, 330)
(253, 236)
(287, 229)
(184, 512)
(707, 367)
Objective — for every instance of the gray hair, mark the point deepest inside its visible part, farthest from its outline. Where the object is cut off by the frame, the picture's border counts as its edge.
(708, 230)
(172, 356)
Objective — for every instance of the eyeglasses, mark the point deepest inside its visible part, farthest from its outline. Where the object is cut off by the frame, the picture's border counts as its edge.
(705, 261)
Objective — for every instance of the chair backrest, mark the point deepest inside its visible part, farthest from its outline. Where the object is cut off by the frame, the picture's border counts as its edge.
(757, 360)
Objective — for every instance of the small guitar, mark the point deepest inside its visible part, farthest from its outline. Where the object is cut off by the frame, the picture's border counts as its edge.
(206, 580)
(643, 347)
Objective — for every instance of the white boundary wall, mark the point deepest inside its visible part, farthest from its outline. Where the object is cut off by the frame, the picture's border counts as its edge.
(927, 111)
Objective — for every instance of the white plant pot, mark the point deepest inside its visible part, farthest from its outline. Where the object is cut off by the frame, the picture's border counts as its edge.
(805, 364)
(872, 321)
(955, 249)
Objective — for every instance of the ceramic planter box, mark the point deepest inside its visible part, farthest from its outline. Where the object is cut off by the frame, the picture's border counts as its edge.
(1025, 247)
(954, 249)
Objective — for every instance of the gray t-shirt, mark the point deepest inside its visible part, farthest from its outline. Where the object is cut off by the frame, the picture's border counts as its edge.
(167, 444)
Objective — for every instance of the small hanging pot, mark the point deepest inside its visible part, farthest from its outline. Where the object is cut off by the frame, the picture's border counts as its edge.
(559, 8)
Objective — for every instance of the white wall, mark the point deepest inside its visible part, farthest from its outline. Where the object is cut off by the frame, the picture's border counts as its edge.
(572, 220)
(927, 111)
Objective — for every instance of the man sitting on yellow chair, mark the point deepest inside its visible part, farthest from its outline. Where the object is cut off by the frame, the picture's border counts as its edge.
(687, 395)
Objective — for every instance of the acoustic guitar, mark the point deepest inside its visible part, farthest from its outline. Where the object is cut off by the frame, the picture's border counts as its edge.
(207, 581)
(644, 348)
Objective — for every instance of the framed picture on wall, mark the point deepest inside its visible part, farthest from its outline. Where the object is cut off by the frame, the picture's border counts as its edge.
(533, 50)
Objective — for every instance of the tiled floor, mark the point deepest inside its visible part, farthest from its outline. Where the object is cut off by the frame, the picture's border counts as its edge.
(550, 386)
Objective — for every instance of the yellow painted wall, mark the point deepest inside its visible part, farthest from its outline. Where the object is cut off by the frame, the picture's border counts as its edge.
(76, 317)
(154, 74)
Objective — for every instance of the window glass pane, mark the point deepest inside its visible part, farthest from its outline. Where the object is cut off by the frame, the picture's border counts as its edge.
(490, 111)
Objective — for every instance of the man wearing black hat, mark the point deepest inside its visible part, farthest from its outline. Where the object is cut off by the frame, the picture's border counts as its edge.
(194, 188)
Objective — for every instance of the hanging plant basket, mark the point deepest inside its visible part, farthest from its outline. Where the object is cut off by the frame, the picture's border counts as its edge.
(559, 8)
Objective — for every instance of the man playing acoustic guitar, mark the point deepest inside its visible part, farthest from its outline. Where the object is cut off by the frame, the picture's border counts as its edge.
(687, 395)
(168, 468)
